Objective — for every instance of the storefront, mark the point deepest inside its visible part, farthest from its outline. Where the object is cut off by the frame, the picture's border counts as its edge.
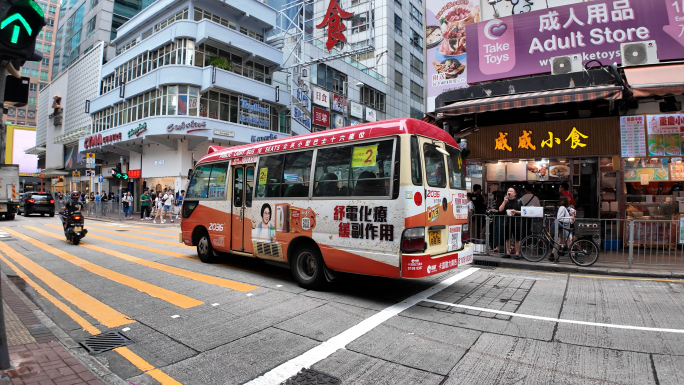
(583, 153)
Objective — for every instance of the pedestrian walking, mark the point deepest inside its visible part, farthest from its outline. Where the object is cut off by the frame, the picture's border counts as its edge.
(159, 209)
(179, 203)
(168, 205)
(145, 205)
(103, 202)
(126, 203)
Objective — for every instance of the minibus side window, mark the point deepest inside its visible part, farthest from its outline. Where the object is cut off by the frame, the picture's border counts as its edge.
(199, 184)
(416, 173)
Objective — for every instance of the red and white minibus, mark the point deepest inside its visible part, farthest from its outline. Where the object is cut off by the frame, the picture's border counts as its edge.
(385, 198)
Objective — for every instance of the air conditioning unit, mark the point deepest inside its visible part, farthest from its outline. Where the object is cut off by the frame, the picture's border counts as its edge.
(639, 53)
(566, 64)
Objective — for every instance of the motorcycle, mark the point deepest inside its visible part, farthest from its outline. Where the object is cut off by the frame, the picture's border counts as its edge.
(73, 226)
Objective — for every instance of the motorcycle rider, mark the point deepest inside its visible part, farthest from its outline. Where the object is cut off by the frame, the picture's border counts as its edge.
(71, 206)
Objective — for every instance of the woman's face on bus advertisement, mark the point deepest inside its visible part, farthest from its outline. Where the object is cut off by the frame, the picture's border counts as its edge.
(266, 217)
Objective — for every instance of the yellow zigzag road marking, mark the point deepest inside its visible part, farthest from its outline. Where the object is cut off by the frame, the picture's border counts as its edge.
(172, 297)
(146, 367)
(233, 285)
(96, 309)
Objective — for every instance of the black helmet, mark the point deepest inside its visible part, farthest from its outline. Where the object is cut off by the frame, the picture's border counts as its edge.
(75, 195)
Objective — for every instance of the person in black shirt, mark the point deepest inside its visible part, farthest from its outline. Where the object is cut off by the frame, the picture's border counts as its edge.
(480, 206)
(511, 206)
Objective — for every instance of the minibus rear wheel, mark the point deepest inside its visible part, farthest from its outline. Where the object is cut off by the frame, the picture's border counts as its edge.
(205, 251)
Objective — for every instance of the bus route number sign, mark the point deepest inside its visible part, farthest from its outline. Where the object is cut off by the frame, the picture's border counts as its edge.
(364, 156)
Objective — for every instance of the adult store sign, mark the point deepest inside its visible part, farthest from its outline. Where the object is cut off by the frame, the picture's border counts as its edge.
(522, 44)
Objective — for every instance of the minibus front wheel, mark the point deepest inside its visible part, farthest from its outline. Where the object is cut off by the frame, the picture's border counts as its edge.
(308, 267)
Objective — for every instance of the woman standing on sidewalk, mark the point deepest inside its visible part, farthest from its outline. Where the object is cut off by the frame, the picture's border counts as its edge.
(159, 207)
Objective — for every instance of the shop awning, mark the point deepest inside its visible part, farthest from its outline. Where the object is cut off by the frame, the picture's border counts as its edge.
(532, 99)
(663, 79)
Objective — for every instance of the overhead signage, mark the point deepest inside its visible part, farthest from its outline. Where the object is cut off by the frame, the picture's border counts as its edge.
(321, 117)
(633, 136)
(142, 127)
(189, 126)
(445, 43)
(339, 104)
(302, 98)
(320, 97)
(371, 115)
(333, 20)
(264, 138)
(522, 44)
(133, 174)
(99, 140)
(356, 110)
(665, 133)
(339, 121)
(301, 117)
(254, 113)
(219, 132)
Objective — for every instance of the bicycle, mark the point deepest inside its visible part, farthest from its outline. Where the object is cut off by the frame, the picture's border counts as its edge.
(583, 252)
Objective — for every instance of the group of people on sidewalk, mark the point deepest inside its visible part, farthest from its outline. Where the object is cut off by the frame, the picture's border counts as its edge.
(159, 205)
(511, 230)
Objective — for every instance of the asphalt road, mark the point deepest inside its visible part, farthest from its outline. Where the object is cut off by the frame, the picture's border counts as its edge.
(243, 321)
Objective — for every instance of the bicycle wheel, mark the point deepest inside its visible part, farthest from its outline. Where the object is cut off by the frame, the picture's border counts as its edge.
(584, 252)
(534, 248)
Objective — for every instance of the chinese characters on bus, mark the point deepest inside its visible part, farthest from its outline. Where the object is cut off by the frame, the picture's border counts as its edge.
(364, 222)
(576, 139)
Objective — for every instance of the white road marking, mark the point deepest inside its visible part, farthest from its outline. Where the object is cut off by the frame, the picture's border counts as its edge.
(249, 294)
(125, 329)
(560, 320)
(175, 316)
(215, 304)
(340, 341)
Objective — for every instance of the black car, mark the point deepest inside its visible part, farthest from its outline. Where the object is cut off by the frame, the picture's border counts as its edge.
(37, 202)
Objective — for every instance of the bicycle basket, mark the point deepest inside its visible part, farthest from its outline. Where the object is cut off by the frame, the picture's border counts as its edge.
(592, 228)
(537, 225)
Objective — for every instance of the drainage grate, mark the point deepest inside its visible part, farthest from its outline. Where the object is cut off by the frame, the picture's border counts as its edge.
(105, 342)
(480, 262)
(311, 377)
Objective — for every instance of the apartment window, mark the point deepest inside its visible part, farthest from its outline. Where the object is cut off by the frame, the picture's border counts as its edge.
(93, 3)
(416, 114)
(180, 15)
(43, 75)
(33, 87)
(43, 7)
(397, 24)
(42, 85)
(32, 101)
(52, 10)
(50, 22)
(45, 62)
(372, 98)
(251, 34)
(416, 66)
(147, 33)
(398, 3)
(416, 15)
(329, 78)
(416, 40)
(25, 71)
(39, 45)
(202, 14)
(416, 92)
(46, 48)
(360, 22)
(34, 73)
(250, 69)
(21, 113)
(398, 52)
(48, 35)
(90, 28)
(11, 113)
(398, 81)
(31, 115)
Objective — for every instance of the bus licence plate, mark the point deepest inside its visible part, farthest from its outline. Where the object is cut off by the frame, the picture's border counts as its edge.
(435, 237)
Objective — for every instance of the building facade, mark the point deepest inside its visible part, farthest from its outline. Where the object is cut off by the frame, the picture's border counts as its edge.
(185, 75)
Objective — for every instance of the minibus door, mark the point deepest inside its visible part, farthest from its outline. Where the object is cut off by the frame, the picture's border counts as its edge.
(243, 187)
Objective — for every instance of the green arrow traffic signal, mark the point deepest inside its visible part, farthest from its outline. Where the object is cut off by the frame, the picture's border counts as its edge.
(20, 25)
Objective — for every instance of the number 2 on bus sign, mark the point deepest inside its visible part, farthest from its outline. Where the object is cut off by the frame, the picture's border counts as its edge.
(364, 156)
(263, 175)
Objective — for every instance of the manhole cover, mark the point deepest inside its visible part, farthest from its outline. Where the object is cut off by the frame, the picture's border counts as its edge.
(311, 377)
(105, 341)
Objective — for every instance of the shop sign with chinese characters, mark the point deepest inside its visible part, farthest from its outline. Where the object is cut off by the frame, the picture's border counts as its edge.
(320, 97)
(665, 134)
(321, 117)
(547, 139)
(334, 19)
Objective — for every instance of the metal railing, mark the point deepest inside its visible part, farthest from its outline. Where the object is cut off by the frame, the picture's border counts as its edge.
(625, 241)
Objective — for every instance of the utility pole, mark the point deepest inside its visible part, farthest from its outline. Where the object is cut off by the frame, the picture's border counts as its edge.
(121, 160)
(4, 350)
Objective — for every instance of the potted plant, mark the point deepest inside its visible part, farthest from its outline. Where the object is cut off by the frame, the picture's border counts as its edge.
(221, 63)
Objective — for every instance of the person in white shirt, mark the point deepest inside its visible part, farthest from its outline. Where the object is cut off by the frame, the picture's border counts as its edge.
(168, 205)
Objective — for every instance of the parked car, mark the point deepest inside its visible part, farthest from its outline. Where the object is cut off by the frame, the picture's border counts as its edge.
(37, 202)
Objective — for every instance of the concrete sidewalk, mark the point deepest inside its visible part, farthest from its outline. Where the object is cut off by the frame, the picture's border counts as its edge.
(36, 355)
(565, 265)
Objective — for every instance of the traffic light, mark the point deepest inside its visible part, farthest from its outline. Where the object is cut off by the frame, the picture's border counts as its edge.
(20, 24)
(117, 173)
